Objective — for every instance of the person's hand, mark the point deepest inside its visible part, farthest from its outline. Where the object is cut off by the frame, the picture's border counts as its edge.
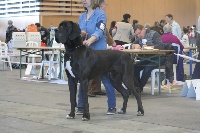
(87, 42)
(83, 33)
(118, 47)
(136, 46)
(114, 44)
(144, 45)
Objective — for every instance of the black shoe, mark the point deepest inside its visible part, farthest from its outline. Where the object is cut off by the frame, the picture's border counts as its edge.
(100, 93)
(111, 111)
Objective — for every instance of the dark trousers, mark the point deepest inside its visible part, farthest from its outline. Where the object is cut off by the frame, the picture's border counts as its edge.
(120, 42)
(147, 67)
(196, 72)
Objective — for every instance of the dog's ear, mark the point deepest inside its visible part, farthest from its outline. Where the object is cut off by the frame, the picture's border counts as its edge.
(75, 31)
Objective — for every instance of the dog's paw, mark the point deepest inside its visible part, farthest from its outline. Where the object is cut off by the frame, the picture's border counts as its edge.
(69, 117)
(140, 114)
(120, 111)
(86, 117)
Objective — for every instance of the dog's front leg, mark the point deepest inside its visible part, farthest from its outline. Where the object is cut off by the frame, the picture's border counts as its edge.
(73, 90)
(84, 90)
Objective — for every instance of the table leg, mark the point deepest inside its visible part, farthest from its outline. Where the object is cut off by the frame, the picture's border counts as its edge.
(191, 63)
(20, 63)
(60, 65)
(159, 86)
(42, 66)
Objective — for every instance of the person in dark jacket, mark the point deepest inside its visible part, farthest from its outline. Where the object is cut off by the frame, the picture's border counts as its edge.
(44, 33)
(112, 25)
(146, 37)
(157, 28)
(9, 31)
(134, 23)
(196, 72)
(44, 36)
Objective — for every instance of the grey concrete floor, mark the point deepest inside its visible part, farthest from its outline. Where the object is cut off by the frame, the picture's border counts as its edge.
(34, 107)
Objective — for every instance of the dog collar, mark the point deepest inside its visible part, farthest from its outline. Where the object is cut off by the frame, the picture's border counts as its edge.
(71, 51)
(75, 48)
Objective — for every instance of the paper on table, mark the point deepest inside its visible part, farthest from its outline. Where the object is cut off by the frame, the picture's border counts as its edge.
(148, 48)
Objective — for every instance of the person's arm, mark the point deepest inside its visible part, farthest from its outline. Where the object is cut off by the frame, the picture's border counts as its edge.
(100, 27)
(181, 45)
(136, 41)
(109, 39)
(90, 40)
(46, 35)
(158, 44)
(135, 44)
(100, 30)
(114, 30)
(178, 30)
(132, 34)
(184, 39)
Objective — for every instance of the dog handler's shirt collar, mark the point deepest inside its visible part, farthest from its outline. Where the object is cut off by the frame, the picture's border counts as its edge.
(95, 26)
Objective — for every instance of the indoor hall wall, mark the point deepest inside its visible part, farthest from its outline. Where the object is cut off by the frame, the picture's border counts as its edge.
(185, 12)
(149, 11)
(46, 21)
(19, 22)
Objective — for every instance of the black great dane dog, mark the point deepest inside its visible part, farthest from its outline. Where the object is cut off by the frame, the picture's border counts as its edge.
(84, 64)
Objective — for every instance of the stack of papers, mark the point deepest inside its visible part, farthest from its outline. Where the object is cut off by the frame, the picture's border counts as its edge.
(148, 48)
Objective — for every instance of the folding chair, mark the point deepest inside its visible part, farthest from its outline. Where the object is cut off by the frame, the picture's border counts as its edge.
(32, 54)
(4, 55)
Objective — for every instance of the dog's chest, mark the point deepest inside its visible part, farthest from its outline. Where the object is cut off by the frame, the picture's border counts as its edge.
(69, 68)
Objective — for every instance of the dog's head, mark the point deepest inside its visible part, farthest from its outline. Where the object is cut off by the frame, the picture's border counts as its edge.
(67, 31)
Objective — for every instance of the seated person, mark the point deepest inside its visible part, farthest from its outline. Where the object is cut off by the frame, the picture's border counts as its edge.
(169, 38)
(151, 38)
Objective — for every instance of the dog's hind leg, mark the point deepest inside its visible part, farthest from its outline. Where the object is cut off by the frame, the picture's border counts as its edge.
(128, 82)
(116, 80)
(73, 90)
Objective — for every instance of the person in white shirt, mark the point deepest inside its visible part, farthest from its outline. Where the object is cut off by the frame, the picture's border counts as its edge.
(185, 40)
(176, 29)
